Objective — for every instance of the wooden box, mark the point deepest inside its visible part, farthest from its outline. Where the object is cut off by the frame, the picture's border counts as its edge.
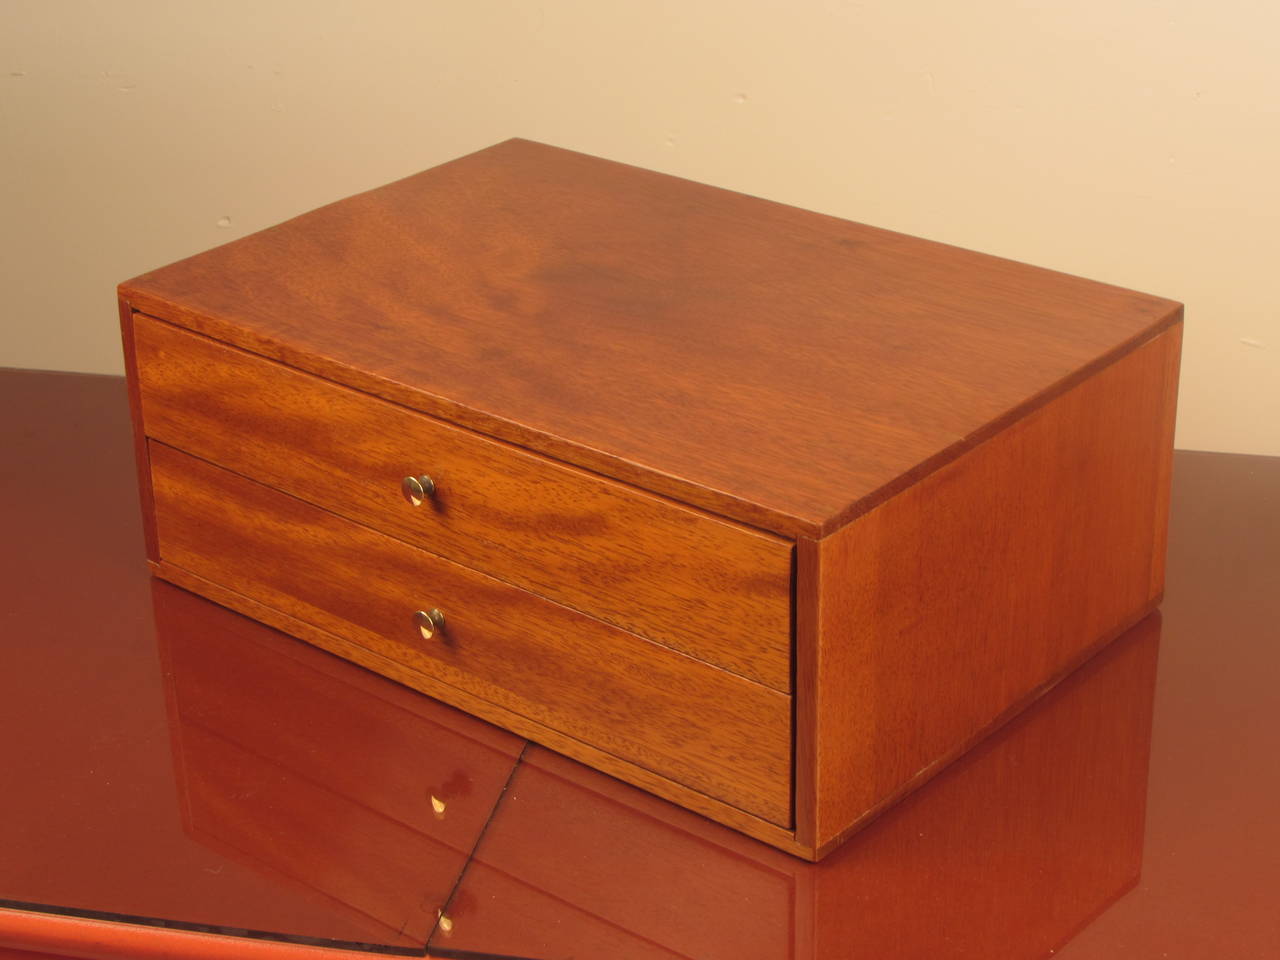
(769, 513)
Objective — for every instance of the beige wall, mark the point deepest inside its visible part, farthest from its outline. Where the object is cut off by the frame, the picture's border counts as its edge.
(1131, 141)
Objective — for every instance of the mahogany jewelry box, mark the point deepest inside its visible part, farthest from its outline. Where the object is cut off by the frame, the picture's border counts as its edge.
(769, 513)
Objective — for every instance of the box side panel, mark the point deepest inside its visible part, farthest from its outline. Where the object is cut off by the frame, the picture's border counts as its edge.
(953, 603)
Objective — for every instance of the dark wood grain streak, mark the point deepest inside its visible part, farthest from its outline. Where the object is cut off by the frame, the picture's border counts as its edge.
(776, 366)
(956, 600)
(708, 729)
(712, 589)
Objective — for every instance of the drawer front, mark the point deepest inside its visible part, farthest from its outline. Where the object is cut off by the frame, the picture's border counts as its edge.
(699, 726)
(710, 588)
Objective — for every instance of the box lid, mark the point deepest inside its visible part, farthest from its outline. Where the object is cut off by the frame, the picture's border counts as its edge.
(781, 367)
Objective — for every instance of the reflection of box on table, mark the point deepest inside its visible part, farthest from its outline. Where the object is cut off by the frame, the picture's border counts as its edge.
(292, 762)
(1004, 856)
(769, 513)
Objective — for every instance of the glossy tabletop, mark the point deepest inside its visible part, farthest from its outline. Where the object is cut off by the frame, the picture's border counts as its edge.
(168, 765)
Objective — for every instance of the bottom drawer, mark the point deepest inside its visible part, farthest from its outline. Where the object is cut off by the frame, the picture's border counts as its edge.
(705, 729)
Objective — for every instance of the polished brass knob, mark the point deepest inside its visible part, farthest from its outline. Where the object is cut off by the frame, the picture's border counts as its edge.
(428, 622)
(417, 489)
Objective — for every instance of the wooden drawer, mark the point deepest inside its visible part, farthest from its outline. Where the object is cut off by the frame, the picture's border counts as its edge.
(701, 727)
(713, 589)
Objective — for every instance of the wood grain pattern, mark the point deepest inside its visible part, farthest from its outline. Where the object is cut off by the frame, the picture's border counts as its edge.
(710, 730)
(953, 602)
(712, 589)
(568, 746)
(779, 367)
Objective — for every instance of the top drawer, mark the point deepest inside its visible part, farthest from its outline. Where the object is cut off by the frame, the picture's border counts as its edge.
(708, 587)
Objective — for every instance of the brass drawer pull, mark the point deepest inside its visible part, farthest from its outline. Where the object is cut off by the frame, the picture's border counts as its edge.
(428, 622)
(417, 489)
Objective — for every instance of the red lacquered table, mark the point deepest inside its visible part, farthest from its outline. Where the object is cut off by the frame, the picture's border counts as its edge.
(176, 780)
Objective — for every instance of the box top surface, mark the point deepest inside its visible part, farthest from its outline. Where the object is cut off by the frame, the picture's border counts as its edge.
(781, 367)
